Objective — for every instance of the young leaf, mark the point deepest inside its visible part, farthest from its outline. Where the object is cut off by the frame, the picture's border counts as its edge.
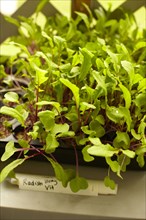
(66, 134)
(61, 174)
(129, 153)
(21, 46)
(87, 157)
(73, 88)
(41, 5)
(12, 20)
(114, 165)
(40, 75)
(85, 18)
(47, 119)
(142, 85)
(12, 97)
(3, 73)
(102, 150)
(97, 127)
(123, 160)
(60, 128)
(59, 40)
(13, 113)
(109, 183)
(140, 160)
(117, 114)
(129, 69)
(11, 166)
(9, 151)
(86, 64)
(51, 143)
(78, 183)
(122, 140)
(54, 104)
(44, 34)
(114, 114)
(86, 130)
(24, 144)
(85, 106)
(127, 116)
(139, 45)
(135, 135)
(127, 95)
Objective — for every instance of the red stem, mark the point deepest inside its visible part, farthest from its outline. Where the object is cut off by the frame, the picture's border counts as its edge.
(77, 160)
(37, 98)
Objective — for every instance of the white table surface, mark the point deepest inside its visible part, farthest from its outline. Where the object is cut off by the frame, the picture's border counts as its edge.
(129, 203)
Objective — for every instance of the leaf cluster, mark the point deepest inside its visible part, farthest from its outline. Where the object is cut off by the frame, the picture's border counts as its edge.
(84, 87)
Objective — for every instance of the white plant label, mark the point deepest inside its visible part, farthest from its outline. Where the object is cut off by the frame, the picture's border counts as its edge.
(51, 184)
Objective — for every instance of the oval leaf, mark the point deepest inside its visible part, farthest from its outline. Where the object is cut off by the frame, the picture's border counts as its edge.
(78, 183)
(13, 113)
(9, 151)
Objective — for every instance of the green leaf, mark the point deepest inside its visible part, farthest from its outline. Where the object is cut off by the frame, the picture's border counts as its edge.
(137, 78)
(128, 153)
(141, 149)
(86, 64)
(6, 170)
(44, 34)
(41, 5)
(47, 119)
(34, 133)
(102, 150)
(87, 157)
(54, 104)
(142, 126)
(114, 165)
(140, 160)
(109, 183)
(2, 71)
(129, 69)
(114, 114)
(127, 95)
(86, 130)
(40, 75)
(51, 143)
(127, 116)
(95, 141)
(12, 97)
(118, 114)
(142, 85)
(9, 151)
(61, 174)
(84, 106)
(123, 160)
(66, 134)
(21, 46)
(59, 40)
(73, 88)
(78, 183)
(100, 79)
(24, 144)
(51, 64)
(139, 45)
(140, 100)
(135, 135)
(85, 18)
(97, 127)
(122, 140)
(13, 113)
(12, 20)
(60, 128)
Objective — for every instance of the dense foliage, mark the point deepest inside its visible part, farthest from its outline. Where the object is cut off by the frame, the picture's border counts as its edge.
(78, 82)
